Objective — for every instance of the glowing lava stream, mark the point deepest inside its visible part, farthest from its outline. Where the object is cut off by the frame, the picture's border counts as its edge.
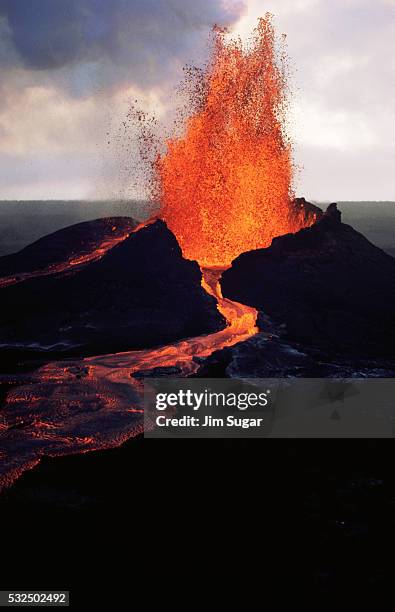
(76, 406)
(74, 262)
(241, 325)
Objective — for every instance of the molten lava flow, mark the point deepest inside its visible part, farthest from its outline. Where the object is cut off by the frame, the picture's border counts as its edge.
(225, 185)
(241, 319)
(75, 261)
(63, 400)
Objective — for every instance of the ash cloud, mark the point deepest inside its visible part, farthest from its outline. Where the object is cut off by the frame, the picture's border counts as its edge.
(110, 40)
(68, 69)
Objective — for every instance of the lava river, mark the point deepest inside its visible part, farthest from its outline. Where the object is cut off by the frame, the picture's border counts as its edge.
(76, 406)
(115, 235)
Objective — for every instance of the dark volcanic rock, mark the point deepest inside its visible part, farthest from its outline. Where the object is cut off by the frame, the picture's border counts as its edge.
(328, 284)
(141, 293)
(74, 241)
(263, 356)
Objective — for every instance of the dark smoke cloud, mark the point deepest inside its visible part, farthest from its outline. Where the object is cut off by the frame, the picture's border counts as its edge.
(111, 36)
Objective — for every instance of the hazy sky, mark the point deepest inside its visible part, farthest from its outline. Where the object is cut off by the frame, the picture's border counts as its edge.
(68, 69)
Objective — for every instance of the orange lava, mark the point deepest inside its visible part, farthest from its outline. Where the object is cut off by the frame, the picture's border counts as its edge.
(120, 367)
(106, 396)
(119, 234)
(241, 319)
(225, 185)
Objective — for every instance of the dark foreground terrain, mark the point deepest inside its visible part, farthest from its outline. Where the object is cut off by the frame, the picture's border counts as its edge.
(319, 514)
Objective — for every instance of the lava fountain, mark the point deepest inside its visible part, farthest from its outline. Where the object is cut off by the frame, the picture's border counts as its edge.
(226, 183)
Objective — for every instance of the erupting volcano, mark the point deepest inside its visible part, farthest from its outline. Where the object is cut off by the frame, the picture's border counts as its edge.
(226, 183)
(225, 189)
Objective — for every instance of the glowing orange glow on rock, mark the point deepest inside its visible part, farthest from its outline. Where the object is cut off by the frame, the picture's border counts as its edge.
(225, 184)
